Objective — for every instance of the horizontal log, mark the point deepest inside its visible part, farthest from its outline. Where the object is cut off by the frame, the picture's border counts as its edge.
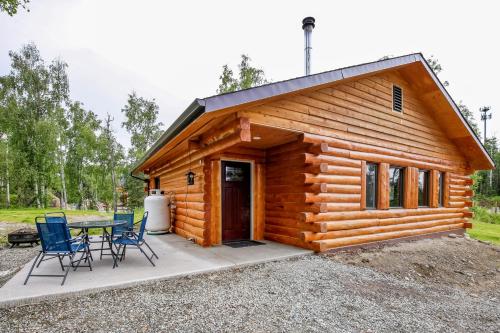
(355, 224)
(226, 142)
(468, 225)
(341, 170)
(362, 147)
(310, 236)
(285, 188)
(286, 240)
(339, 188)
(456, 204)
(219, 133)
(282, 230)
(190, 197)
(331, 197)
(191, 205)
(343, 207)
(330, 179)
(323, 245)
(468, 214)
(296, 207)
(190, 228)
(294, 223)
(188, 235)
(197, 214)
(331, 160)
(380, 214)
(190, 220)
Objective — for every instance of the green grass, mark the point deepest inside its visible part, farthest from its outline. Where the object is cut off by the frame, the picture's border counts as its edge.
(27, 215)
(485, 231)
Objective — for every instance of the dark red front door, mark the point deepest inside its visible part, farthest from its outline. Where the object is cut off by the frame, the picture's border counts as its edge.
(235, 180)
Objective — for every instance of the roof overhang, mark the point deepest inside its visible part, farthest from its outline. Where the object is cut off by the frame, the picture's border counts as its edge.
(265, 92)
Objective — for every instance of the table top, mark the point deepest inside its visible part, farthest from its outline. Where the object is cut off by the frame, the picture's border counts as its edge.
(96, 224)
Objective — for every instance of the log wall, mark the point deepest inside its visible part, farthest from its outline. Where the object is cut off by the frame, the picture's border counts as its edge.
(315, 187)
(192, 214)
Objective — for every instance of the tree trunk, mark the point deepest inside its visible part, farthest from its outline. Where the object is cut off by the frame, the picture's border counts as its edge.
(113, 182)
(64, 197)
(44, 196)
(37, 193)
(7, 180)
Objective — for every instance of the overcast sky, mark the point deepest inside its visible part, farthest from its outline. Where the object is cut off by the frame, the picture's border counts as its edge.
(174, 51)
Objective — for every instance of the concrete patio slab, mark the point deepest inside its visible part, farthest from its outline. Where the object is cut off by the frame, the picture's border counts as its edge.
(177, 257)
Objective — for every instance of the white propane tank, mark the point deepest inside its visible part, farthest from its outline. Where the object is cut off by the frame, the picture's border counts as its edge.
(156, 204)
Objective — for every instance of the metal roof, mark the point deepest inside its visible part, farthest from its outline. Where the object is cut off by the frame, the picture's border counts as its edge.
(227, 100)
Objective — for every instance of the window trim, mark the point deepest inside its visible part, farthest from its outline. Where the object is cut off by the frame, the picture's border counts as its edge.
(440, 182)
(427, 194)
(401, 183)
(375, 204)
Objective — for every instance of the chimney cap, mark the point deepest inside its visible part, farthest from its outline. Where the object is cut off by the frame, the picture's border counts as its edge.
(308, 21)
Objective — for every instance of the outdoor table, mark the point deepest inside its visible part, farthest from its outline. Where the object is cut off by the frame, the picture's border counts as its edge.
(104, 225)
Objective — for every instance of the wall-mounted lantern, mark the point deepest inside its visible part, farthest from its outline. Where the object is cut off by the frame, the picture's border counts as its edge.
(190, 177)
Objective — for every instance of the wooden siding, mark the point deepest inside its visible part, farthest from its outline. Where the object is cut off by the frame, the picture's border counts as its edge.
(344, 127)
(192, 213)
(311, 192)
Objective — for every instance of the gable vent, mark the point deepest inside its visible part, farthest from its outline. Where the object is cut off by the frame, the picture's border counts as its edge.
(397, 98)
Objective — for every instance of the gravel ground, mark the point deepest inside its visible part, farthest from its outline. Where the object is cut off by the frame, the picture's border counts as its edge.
(12, 260)
(318, 293)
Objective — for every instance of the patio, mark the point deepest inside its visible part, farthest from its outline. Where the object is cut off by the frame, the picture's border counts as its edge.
(177, 257)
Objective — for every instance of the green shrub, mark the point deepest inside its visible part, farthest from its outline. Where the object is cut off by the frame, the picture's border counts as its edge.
(484, 215)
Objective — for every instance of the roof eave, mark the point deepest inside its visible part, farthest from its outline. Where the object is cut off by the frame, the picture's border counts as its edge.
(456, 109)
(192, 112)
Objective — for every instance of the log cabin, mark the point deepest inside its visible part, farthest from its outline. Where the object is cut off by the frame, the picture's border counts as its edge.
(357, 155)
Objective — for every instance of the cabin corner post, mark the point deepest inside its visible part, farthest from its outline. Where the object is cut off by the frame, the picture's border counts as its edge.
(215, 202)
(259, 190)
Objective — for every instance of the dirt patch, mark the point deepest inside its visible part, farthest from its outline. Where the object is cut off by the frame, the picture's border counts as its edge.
(470, 265)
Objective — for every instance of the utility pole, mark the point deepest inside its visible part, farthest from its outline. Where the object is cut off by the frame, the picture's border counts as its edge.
(485, 116)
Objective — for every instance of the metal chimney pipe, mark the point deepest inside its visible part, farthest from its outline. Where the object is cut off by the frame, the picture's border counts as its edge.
(308, 26)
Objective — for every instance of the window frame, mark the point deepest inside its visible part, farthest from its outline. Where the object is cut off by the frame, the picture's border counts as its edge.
(401, 184)
(375, 195)
(426, 188)
(440, 182)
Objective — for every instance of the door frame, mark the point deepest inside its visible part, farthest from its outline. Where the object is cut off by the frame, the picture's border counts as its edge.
(252, 171)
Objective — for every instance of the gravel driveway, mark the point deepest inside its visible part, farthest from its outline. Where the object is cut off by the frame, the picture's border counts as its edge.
(316, 293)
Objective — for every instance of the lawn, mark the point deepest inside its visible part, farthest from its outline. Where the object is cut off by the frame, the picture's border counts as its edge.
(485, 231)
(27, 215)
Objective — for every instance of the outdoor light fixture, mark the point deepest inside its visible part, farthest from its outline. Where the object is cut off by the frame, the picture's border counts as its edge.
(190, 177)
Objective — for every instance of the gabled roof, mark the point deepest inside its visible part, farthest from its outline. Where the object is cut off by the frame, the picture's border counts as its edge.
(228, 100)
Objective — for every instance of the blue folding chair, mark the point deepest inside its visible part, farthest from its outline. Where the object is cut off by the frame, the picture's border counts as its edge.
(57, 243)
(119, 230)
(134, 239)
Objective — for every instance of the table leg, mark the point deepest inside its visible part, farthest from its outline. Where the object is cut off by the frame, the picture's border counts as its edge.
(109, 238)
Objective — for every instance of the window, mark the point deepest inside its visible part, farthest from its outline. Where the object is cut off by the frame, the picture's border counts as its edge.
(397, 98)
(440, 188)
(423, 188)
(371, 185)
(396, 186)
